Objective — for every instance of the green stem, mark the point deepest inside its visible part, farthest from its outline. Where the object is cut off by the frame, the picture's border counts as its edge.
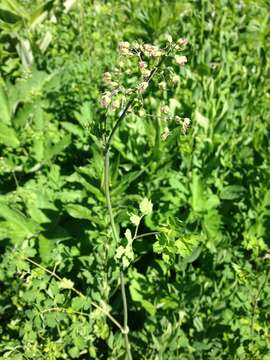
(108, 197)
(113, 227)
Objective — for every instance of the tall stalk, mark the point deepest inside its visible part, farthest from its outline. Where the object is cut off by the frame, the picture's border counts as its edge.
(108, 197)
(111, 216)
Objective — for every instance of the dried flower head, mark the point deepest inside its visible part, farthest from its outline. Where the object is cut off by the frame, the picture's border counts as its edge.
(151, 50)
(105, 100)
(142, 87)
(185, 125)
(116, 104)
(142, 65)
(175, 79)
(162, 85)
(165, 133)
(165, 109)
(107, 77)
(141, 113)
(124, 48)
(180, 60)
(178, 120)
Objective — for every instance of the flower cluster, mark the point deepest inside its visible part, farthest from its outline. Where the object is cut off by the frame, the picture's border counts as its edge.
(138, 64)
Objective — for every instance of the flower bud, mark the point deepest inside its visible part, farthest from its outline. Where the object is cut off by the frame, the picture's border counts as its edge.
(178, 120)
(175, 79)
(162, 85)
(182, 41)
(142, 87)
(165, 109)
(165, 133)
(105, 100)
(107, 77)
(185, 125)
(142, 65)
(141, 113)
(124, 47)
(180, 60)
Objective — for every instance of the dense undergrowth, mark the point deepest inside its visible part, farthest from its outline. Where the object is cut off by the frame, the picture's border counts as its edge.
(200, 290)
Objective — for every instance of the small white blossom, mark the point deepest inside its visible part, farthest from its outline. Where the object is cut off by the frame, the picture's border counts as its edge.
(142, 65)
(162, 85)
(180, 60)
(142, 87)
(124, 47)
(175, 79)
(165, 109)
(107, 77)
(151, 50)
(182, 41)
(105, 100)
(165, 133)
(185, 125)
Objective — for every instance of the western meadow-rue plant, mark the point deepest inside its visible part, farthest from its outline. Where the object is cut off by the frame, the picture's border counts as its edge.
(152, 63)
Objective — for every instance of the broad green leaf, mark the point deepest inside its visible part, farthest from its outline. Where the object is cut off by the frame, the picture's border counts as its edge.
(186, 245)
(135, 294)
(79, 211)
(66, 284)
(201, 120)
(232, 192)
(15, 217)
(46, 247)
(8, 136)
(57, 148)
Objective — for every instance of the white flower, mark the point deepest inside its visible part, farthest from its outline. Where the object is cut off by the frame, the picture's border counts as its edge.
(162, 85)
(105, 100)
(165, 109)
(165, 133)
(142, 87)
(180, 60)
(151, 50)
(182, 41)
(185, 125)
(124, 47)
(107, 77)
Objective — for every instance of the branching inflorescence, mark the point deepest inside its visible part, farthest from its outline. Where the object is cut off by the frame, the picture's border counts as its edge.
(126, 91)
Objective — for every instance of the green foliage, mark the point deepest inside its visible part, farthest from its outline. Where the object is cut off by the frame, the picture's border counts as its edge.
(192, 211)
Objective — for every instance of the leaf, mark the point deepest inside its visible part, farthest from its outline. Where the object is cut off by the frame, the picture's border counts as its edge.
(186, 245)
(46, 247)
(198, 200)
(15, 217)
(66, 284)
(79, 211)
(232, 192)
(58, 148)
(5, 116)
(146, 206)
(201, 120)
(135, 294)
(8, 136)
(135, 219)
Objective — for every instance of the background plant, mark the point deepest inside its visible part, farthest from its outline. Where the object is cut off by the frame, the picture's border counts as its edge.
(211, 184)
